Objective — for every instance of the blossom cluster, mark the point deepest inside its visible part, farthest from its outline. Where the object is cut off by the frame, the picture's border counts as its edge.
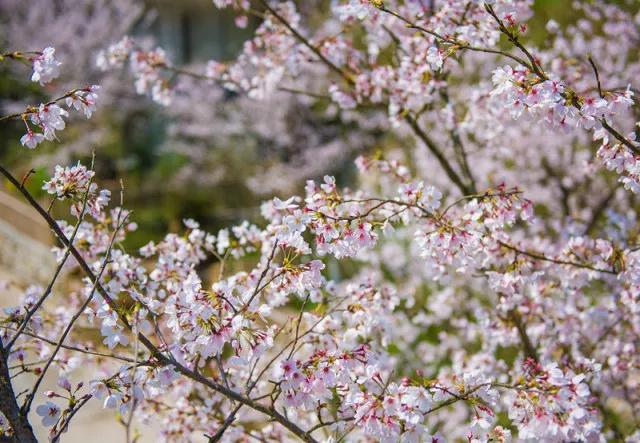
(45, 66)
(147, 68)
(325, 367)
(49, 117)
(75, 183)
(559, 107)
(479, 282)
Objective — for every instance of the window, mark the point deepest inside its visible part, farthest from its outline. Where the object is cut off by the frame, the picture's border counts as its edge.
(197, 32)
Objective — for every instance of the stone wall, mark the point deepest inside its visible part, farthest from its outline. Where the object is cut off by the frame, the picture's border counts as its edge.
(25, 243)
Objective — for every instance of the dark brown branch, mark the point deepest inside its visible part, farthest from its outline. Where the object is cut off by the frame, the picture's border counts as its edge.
(306, 42)
(459, 149)
(433, 148)
(542, 257)
(47, 292)
(75, 348)
(459, 44)
(595, 71)
(516, 42)
(27, 404)
(228, 421)
(65, 424)
(621, 138)
(527, 345)
(599, 210)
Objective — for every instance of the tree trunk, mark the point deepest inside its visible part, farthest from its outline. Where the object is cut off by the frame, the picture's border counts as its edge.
(22, 431)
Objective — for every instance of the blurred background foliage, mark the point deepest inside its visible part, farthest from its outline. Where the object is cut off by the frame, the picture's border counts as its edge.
(134, 139)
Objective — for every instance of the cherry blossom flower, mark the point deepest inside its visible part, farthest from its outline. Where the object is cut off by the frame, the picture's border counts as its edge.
(50, 412)
(45, 67)
(31, 139)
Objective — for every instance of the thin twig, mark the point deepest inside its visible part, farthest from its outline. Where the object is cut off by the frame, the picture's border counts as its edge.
(59, 268)
(29, 400)
(595, 71)
(74, 348)
(34, 109)
(538, 256)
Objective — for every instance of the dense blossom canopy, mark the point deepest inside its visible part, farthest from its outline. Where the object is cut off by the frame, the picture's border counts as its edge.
(485, 287)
